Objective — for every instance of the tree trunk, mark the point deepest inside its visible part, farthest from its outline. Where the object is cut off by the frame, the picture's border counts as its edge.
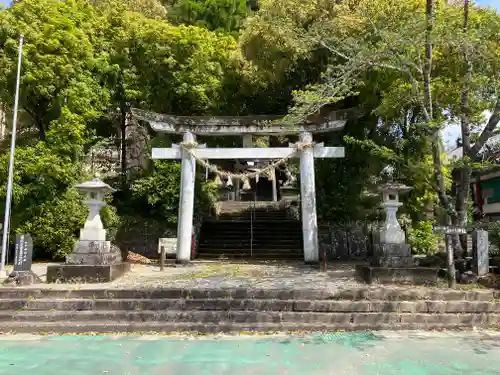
(452, 275)
(461, 176)
(123, 145)
(41, 130)
(436, 140)
(428, 111)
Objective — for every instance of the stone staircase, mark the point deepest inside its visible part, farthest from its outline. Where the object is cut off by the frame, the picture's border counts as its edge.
(251, 230)
(238, 310)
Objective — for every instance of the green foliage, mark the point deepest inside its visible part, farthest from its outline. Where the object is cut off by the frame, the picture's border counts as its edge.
(221, 15)
(183, 69)
(44, 203)
(493, 229)
(111, 221)
(422, 239)
(157, 195)
(53, 236)
(159, 192)
(208, 198)
(62, 67)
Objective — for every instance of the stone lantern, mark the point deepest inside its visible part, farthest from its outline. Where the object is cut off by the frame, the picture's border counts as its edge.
(94, 192)
(391, 231)
(93, 259)
(392, 261)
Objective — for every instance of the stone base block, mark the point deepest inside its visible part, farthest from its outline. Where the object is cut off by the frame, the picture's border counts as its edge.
(94, 253)
(22, 278)
(82, 273)
(396, 275)
(93, 258)
(393, 262)
(392, 256)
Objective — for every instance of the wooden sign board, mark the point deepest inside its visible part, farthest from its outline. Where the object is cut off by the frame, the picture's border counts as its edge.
(170, 245)
(449, 230)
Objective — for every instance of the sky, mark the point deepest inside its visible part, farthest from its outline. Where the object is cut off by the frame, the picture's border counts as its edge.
(495, 3)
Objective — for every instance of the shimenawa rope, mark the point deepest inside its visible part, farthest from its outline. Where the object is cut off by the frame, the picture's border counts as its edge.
(245, 176)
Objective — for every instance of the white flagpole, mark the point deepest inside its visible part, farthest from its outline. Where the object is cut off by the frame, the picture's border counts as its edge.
(8, 198)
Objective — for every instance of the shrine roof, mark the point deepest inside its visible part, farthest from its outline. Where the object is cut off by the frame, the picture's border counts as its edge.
(237, 125)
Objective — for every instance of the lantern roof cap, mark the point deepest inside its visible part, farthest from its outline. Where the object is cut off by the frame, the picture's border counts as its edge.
(394, 187)
(95, 184)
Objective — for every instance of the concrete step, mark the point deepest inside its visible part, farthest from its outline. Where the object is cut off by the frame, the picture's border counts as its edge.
(265, 234)
(261, 246)
(113, 327)
(265, 305)
(234, 255)
(245, 236)
(254, 214)
(264, 231)
(269, 253)
(255, 220)
(256, 223)
(231, 317)
(255, 240)
(366, 293)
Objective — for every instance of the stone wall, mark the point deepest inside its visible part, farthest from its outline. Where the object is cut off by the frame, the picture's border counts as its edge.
(345, 240)
(141, 235)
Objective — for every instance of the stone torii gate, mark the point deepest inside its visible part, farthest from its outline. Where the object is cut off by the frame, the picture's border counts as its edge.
(191, 126)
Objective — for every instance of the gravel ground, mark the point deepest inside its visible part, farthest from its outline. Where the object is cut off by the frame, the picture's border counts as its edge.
(218, 274)
(232, 274)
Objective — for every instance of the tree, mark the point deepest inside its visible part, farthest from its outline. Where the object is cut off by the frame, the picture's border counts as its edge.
(426, 63)
(149, 8)
(222, 15)
(183, 69)
(279, 40)
(413, 46)
(61, 65)
(61, 91)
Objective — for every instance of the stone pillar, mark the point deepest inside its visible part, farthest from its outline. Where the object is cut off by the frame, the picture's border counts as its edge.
(247, 141)
(186, 203)
(275, 185)
(480, 251)
(308, 201)
(236, 184)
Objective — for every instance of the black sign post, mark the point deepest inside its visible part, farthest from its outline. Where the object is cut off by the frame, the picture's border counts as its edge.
(24, 253)
(448, 231)
(22, 274)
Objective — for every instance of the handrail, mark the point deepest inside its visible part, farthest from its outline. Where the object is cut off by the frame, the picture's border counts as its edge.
(252, 211)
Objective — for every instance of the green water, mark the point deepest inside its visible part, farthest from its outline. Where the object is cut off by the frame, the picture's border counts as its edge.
(337, 353)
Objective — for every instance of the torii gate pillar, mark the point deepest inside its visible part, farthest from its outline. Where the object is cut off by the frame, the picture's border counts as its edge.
(308, 201)
(186, 203)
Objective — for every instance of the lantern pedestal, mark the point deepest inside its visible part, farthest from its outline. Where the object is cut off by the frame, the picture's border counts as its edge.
(93, 260)
(83, 273)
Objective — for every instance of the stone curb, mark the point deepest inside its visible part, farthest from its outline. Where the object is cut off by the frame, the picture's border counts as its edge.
(331, 306)
(111, 327)
(231, 317)
(387, 294)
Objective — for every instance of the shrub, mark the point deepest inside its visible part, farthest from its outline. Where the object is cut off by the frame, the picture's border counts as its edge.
(422, 239)
(54, 225)
(493, 229)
